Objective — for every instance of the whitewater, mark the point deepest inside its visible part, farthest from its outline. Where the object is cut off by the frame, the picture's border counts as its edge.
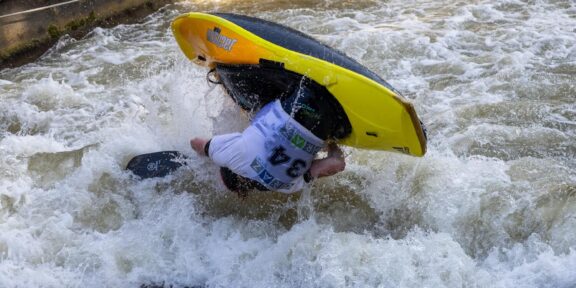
(492, 203)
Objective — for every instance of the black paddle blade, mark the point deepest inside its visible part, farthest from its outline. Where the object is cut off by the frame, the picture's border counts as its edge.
(158, 164)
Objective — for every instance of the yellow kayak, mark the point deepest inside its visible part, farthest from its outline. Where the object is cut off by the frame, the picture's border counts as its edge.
(380, 118)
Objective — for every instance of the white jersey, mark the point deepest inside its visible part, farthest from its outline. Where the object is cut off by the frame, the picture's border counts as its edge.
(274, 150)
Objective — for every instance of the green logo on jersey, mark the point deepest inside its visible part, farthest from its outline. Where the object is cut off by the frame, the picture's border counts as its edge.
(298, 141)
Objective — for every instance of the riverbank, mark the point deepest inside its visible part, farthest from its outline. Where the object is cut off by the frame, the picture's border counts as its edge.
(29, 28)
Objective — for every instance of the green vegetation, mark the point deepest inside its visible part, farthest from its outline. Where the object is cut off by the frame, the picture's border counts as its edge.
(18, 49)
(76, 24)
(54, 32)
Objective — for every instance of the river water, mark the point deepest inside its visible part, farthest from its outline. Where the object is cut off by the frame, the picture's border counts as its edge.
(492, 204)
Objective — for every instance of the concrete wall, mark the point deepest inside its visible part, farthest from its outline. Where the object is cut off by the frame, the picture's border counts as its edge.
(23, 37)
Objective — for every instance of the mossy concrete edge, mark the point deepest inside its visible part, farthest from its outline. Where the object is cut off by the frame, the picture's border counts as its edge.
(25, 37)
